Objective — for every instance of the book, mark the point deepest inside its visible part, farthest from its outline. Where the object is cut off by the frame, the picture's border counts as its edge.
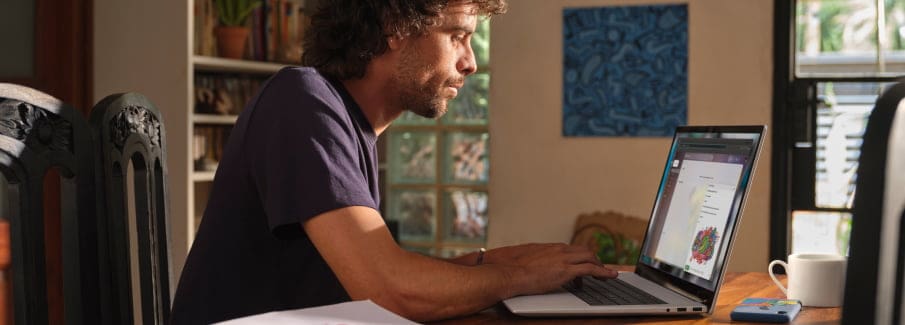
(205, 19)
(276, 28)
(225, 93)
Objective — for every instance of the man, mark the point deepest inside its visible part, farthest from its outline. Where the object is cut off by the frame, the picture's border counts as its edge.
(293, 219)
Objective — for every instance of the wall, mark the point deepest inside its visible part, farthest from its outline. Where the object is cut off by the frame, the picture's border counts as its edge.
(540, 181)
(18, 35)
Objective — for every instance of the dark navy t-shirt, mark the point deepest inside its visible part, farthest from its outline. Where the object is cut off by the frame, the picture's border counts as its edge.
(302, 147)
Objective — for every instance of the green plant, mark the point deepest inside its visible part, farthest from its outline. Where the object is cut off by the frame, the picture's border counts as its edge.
(616, 249)
(235, 12)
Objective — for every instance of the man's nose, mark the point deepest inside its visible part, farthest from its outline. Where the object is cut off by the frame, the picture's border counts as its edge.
(467, 64)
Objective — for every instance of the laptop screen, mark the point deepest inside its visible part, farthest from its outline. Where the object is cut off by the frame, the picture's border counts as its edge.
(698, 202)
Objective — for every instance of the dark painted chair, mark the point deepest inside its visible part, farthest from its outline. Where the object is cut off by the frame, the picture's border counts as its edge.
(128, 128)
(37, 133)
(875, 278)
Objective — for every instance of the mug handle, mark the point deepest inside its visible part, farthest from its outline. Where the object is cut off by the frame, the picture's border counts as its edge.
(775, 280)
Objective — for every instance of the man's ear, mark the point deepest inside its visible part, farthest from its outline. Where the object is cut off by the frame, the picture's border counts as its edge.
(395, 42)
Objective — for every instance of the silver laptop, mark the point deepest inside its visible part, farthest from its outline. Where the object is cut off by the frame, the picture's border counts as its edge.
(689, 236)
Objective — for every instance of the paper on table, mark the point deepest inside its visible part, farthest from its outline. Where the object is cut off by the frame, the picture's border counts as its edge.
(347, 313)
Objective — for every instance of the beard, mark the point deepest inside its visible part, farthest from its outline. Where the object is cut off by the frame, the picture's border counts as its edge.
(424, 99)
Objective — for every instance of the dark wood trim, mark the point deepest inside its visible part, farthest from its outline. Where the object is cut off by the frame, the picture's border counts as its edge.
(53, 246)
(63, 51)
(62, 68)
(782, 77)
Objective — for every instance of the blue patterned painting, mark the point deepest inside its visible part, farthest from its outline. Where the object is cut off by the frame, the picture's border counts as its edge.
(625, 70)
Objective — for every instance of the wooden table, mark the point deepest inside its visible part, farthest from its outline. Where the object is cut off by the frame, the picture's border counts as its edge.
(736, 287)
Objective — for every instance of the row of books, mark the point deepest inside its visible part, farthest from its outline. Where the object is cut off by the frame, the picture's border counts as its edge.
(276, 29)
(207, 145)
(224, 93)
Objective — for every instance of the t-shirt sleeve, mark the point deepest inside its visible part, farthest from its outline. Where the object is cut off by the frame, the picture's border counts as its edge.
(304, 152)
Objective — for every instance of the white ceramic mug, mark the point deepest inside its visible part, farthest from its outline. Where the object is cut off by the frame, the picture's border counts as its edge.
(818, 280)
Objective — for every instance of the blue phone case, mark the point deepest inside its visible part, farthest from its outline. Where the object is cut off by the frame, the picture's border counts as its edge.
(766, 310)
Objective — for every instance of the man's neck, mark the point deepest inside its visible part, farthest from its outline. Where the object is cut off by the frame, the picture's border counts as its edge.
(370, 94)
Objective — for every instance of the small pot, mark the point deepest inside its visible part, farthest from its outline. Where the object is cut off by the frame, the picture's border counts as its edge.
(231, 41)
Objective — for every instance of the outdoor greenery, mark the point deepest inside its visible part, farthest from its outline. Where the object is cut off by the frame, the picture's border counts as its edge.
(847, 26)
(480, 43)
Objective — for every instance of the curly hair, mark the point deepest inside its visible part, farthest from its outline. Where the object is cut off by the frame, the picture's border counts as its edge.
(345, 35)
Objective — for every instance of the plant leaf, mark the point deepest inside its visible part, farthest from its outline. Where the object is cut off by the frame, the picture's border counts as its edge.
(235, 12)
(243, 15)
(221, 10)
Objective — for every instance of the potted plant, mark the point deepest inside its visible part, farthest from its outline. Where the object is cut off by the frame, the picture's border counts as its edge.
(232, 35)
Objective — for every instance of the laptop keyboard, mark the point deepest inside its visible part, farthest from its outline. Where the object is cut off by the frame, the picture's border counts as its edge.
(611, 292)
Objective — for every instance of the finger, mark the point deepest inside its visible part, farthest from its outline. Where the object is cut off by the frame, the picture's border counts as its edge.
(577, 282)
(596, 271)
(582, 257)
(555, 247)
(576, 248)
(609, 274)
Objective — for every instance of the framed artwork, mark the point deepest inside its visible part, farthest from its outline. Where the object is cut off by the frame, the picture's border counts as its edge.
(625, 70)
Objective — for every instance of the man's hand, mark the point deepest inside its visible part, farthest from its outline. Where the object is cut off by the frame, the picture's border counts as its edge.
(540, 268)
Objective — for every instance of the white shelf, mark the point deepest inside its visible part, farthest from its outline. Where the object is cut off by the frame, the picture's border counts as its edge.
(207, 63)
(214, 119)
(205, 176)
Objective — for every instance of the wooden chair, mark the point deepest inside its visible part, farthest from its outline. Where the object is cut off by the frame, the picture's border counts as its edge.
(614, 236)
(39, 132)
(127, 128)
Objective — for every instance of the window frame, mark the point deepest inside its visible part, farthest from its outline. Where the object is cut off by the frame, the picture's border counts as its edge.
(793, 174)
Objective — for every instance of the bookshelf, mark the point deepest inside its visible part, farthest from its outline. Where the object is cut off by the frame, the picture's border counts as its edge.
(149, 47)
(214, 64)
(203, 176)
(226, 68)
(215, 119)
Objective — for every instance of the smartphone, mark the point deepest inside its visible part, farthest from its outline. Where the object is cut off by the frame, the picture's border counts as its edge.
(767, 310)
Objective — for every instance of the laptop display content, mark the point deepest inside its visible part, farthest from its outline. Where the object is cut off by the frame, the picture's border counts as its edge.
(698, 203)
(692, 225)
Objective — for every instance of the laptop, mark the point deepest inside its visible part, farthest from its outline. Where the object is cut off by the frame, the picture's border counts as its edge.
(689, 236)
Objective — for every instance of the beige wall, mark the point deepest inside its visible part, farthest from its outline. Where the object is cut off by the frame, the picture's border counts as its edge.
(540, 181)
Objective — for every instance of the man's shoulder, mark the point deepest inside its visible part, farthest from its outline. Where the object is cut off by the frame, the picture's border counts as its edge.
(301, 85)
(306, 77)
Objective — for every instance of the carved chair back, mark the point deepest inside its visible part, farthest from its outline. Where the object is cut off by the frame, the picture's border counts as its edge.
(127, 128)
(39, 132)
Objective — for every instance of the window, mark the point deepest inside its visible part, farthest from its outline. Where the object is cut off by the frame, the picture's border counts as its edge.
(833, 59)
(437, 170)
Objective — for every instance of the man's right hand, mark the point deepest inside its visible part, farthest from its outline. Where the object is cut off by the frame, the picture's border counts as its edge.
(540, 268)
(369, 264)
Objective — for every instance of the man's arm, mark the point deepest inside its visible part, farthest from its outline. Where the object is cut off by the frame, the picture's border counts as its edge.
(465, 259)
(357, 246)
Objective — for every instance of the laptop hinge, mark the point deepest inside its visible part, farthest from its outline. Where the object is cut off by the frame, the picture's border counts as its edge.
(684, 293)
